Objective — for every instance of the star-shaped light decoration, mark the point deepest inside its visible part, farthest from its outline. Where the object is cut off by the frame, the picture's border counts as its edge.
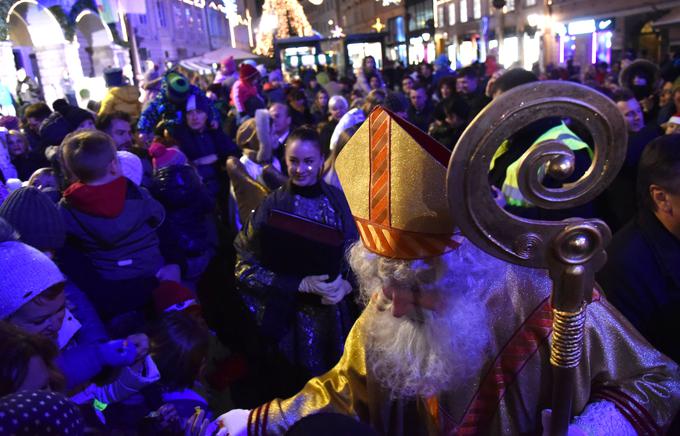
(378, 26)
(336, 32)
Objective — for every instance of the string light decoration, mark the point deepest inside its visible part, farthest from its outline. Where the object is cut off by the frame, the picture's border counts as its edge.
(286, 18)
(378, 26)
(336, 32)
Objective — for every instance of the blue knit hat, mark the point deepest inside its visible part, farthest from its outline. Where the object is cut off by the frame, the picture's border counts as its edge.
(35, 217)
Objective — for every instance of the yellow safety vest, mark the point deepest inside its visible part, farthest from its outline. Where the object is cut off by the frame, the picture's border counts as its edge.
(510, 188)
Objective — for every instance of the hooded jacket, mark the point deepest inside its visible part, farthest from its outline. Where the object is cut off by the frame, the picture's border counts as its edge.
(123, 99)
(114, 225)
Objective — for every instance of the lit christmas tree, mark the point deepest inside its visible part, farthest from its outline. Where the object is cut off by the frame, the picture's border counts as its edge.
(286, 18)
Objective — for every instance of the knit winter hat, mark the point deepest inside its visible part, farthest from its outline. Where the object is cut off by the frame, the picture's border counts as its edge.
(35, 217)
(9, 122)
(198, 102)
(131, 166)
(113, 77)
(24, 274)
(248, 73)
(178, 87)
(27, 413)
(75, 115)
(163, 156)
(170, 296)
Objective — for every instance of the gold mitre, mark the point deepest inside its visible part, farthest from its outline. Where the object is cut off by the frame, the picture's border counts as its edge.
(394, 178)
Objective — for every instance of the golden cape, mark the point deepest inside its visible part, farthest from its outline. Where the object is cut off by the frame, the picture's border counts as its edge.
(618, 365)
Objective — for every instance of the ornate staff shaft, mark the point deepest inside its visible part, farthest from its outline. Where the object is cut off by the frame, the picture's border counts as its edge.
(571, 250)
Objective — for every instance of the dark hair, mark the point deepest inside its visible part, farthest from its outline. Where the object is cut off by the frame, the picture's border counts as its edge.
(88, 153)
(17, 348)
(449, 81)
(659, 165)
(512, 79)
(396, 102)
(296, 94)
(374, 99)
(178, 345)
(622, 94)
(468, 72)
(37, 110)
(305, 133)
(105, 120)
(456, 106)
(418, 86)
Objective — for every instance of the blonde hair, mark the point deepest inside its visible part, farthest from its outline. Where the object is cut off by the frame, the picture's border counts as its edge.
(88, 153)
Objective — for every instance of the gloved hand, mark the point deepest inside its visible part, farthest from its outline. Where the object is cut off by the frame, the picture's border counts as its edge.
(341, 287)
(120, 352)
(316, 285)
(233, 423)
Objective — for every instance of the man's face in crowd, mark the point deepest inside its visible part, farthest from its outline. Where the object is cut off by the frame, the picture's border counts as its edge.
(632, 113)
(418, 98)
(466, 85)
(121, 132)
(34, 123)
(280, 119)
(337, 110)
(41, 316)
(672, 128)
(197, 119)
(425, 70)
(406, 85)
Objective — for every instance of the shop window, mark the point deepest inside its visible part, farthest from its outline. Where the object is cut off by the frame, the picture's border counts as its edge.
(463, 11)
(440, 15)
(509, 6)
(452, 13)
(530, 3)
(476, 9)
(161, 13)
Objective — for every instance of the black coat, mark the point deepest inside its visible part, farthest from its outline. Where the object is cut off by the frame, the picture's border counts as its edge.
(185, 233)
(642, 279)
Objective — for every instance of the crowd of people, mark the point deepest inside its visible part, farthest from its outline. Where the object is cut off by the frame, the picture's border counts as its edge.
(198, 244)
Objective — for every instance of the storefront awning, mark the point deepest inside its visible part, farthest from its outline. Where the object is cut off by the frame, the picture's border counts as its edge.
(205, 61)
(670, 19)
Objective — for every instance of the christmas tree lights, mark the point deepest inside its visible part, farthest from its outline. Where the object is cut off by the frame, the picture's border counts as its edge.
(286, 18)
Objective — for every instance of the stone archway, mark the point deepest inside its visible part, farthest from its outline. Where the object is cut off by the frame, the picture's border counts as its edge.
(95, 42)
(34, 31)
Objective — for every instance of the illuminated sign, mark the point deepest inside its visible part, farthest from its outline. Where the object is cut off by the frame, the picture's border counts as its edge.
(606, 24)
(581, 27)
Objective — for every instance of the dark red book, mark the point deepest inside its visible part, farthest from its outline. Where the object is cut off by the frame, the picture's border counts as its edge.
(295, 245)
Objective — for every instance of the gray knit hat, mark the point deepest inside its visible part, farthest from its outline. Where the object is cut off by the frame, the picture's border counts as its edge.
(35, 217)
(24, 274)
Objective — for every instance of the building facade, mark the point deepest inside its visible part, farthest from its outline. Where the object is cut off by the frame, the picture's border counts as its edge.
(537, 33)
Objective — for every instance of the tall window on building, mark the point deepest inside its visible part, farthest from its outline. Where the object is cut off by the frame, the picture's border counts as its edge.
(509, 6)
(452, 13)
(530, 3)
(161, 13)
(463, 11)
(440, 15)
(476, 9)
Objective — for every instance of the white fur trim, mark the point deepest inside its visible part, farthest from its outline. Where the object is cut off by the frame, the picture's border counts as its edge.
(602, 418)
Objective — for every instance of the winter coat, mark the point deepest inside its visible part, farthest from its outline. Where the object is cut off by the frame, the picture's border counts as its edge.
(185, 233)
(642, 279)
(121, 242)
(196, 145)
(161, 108)
(123, 99)
(308, 336)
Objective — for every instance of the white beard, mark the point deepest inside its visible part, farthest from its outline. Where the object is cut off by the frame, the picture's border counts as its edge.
(425, 356)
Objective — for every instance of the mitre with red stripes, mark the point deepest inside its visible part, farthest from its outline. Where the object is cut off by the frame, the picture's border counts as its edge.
(394, 178)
